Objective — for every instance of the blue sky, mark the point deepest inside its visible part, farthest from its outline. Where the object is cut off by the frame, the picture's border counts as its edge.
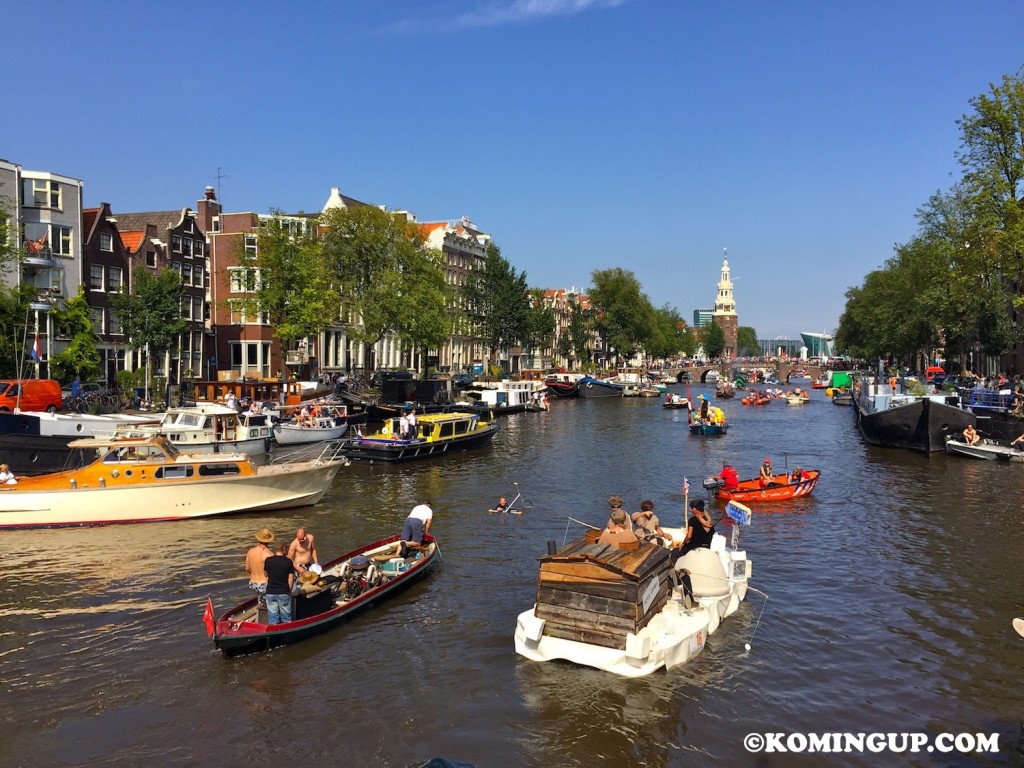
(582, 134)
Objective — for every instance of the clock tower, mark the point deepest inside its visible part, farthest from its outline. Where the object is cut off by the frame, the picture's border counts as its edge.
(725, 316)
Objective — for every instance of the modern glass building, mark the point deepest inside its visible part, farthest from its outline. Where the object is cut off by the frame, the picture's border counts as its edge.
(818, 344)
(702, 317)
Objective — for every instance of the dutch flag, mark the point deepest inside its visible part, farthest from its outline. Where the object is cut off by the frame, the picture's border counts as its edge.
(37, 350)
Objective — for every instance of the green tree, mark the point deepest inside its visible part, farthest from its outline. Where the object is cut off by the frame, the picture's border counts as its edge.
(150, 313)
(623, 314)
(540, 323)
(81, 357)
(746, 342)
(498, 299)
(580, 334)
(290, 280)
(712, 338)
(384, 273)
(669, 336)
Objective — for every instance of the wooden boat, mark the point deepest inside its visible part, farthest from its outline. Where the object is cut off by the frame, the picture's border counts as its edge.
(985, 449)
(208, 428)
(34, 443)
(751, 491)
(143, 479)
(330, 424)
(622, 611)
(347, 585)
(436, 434)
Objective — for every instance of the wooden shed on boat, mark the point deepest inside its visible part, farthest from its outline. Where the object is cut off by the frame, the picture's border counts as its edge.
(597, 594)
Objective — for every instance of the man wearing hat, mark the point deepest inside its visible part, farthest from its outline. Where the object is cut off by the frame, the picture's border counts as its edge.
(255, 559)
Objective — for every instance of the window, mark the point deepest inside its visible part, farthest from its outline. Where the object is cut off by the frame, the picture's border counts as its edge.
(189, 225)
(197, 277)
(176, 243)
(114, 279)
(186, 307)
(200, 247)
(42, 193)
(186, 246)
(62, 240)
(96, 314)
(186, 274)
(174, 472)
(150, 258)
(114, 325)
(215, 222)
(176, 266)
(197, 309)
(214, 470)
(96, 277)
(107, 243)
(250, 244)
(243, 279)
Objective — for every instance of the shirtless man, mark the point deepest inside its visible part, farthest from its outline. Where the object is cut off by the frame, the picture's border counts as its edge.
(302, 550)
(254, 560)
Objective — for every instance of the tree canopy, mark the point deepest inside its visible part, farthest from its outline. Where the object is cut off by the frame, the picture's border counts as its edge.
(150, 313)
(80, 357)
(497, 298)
(623, 314)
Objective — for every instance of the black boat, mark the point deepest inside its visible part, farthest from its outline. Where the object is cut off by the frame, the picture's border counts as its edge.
(347, 585)
(436, 435)
(918, 422)
(562, 385)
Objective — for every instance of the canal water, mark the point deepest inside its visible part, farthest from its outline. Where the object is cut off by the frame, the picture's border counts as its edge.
(890, 597)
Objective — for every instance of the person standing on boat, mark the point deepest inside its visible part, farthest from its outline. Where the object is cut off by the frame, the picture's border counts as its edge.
(766, 473)
(730, 477)
(403, 426)
(302, 550)
(254, 560)
(412, 424)
(417, 524)
(280, 572)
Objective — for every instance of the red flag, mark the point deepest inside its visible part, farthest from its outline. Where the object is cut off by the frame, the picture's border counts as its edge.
(208, 617)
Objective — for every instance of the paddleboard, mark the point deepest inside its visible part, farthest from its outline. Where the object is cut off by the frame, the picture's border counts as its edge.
(1018, 624)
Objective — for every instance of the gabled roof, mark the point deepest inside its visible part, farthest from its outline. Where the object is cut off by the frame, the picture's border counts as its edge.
(89, 217)
(162, 220)
(132, 240)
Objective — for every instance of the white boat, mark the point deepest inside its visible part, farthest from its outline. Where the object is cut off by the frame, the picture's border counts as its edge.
(327, 426)
(985, 449)
(506, 396)
(579, 618)
(208, 428)
(145, 479)
(797, 399)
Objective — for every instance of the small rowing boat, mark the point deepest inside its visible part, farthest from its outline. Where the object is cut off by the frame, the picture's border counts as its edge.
(346, 585)
(985, 449)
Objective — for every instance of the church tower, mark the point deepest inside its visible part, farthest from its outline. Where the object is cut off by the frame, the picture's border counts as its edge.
(725, 316)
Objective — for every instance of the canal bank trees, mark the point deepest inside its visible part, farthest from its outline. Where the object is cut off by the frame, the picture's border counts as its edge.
(957, 284)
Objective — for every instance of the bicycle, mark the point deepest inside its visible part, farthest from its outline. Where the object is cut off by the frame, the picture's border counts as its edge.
(524, 503)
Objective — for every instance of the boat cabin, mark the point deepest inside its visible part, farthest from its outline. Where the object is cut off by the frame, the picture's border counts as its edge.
(598, 594)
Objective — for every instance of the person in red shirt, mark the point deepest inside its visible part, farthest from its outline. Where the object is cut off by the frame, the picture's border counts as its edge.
(730, 477)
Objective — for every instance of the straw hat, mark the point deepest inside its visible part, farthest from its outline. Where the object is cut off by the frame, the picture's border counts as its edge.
(308, 577)
(264, 535)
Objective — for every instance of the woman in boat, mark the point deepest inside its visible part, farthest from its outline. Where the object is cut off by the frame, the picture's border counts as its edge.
(766, 473)
(700, 530)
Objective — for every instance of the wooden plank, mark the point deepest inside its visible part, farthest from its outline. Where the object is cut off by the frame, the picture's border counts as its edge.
(586, 619)
(603, 639)
(560, 598)
(585, 569)
(613, 591)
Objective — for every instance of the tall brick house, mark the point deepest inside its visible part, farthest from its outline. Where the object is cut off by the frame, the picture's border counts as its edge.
(105, 269)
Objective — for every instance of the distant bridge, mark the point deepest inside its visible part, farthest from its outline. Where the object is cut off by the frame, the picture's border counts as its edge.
(699, 373)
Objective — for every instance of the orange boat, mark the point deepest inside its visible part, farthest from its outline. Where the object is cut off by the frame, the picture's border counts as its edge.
(780, 490)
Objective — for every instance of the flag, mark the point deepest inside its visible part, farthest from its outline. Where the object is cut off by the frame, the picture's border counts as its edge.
(686, 487)
(738, 512)
(208, 617)
(37, 350)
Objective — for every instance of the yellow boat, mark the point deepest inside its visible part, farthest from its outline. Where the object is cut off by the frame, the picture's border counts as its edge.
(436, 434)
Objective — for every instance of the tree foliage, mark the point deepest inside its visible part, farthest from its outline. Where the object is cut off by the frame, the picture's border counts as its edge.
(498, 300)
(540, 322)
(150, 314)
(81, 357)
(712, 338)
(389, 282)
(670, 335)
(746, 342)
(623, 314)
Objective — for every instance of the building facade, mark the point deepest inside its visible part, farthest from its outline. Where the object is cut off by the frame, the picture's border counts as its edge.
(105, 267)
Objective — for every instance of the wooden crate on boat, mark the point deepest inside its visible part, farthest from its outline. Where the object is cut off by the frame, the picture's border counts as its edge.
(598, 594)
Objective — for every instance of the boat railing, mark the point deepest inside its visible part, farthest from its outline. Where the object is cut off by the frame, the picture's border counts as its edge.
(324, 452)
(990, 399)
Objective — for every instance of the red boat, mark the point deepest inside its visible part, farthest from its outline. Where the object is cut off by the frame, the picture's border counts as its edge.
(751, 491)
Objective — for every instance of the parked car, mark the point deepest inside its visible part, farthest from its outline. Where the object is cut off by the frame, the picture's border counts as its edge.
(85, 388)
(463, 380)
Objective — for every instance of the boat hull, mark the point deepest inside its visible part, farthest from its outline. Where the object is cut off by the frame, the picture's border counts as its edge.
(751, 490)
(919, 423)
(234, 637)
(593, 388)
(708, 429)
(279, 486)
(289, 434)
(985, 450)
